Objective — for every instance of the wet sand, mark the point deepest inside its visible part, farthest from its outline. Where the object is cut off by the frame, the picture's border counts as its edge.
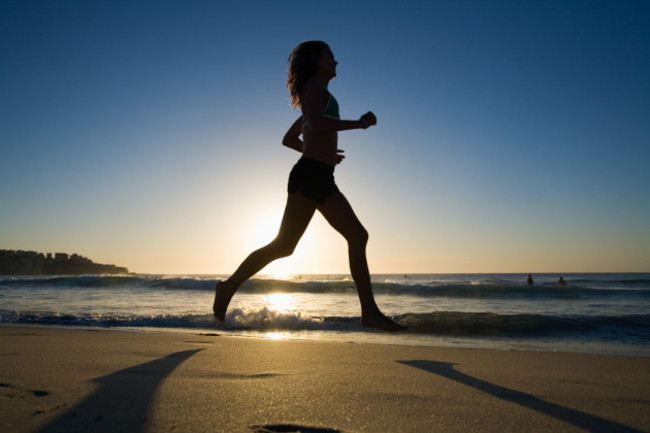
(56, 380)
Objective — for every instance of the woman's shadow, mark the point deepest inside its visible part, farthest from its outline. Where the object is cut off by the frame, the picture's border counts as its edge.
(577, 418)
(122, 401)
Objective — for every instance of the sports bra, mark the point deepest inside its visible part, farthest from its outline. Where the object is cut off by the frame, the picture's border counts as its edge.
(332, 108)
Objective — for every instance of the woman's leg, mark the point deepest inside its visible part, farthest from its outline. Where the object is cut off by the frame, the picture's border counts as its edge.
(297, 215)
(339, 213)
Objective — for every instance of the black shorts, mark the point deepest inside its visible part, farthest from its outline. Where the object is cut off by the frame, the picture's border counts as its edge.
(314, 179)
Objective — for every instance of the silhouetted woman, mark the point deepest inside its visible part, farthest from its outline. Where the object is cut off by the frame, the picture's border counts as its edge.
(311, 182)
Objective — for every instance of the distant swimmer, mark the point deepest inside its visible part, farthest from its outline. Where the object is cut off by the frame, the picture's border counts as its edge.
(561, 282)
(311, 185)
(529, 281)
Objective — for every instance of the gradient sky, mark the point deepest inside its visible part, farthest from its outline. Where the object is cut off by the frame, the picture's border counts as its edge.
(512, 136)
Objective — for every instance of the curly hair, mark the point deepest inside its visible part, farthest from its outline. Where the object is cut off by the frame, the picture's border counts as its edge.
(302, 67)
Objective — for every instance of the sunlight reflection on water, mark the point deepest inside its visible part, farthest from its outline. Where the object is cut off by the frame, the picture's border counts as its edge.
(281, 302)
(278, 335)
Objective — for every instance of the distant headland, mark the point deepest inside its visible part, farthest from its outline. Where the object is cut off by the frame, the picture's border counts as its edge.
(33, 263)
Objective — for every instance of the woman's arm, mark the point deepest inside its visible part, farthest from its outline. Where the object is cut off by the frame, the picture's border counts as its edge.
(312, 110)
(292, 137)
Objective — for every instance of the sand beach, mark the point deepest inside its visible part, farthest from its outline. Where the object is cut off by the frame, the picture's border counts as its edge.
(79, 379)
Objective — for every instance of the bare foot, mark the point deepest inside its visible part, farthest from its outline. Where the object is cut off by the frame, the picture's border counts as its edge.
(223, 292)
(379, 321)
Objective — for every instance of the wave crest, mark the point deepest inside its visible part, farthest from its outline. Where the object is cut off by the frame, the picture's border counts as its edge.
(434, 323)
(433, 289)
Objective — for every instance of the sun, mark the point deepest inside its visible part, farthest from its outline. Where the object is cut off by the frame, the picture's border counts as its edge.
(263, 229)
(259, 232)
(320, 249)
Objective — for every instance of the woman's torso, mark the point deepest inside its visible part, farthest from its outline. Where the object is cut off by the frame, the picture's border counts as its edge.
(322, 145)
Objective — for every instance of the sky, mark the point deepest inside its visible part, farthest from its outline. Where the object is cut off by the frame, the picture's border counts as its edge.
(512, 136)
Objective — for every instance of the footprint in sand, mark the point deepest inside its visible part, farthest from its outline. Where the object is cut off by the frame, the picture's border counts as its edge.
(291, 428)
(10, 391)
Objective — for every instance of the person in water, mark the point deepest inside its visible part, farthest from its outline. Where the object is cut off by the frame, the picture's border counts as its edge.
(529, 281)
(311, 185)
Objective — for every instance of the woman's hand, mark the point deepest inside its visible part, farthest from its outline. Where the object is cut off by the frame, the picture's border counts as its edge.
(292, 137)
(339, 155)
(369, 119)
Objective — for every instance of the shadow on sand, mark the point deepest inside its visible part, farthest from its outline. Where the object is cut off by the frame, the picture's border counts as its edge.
(122, 401)
(579, 419)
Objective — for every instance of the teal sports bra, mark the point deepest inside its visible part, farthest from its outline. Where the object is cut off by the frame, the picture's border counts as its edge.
(332, 108)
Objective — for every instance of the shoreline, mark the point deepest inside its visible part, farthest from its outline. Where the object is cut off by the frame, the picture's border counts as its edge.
(74, 379)
(370, 336)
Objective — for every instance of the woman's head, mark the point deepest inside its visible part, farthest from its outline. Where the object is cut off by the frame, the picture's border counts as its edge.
(305, 62)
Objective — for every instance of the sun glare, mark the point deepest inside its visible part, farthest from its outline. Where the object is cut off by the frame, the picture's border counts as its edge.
(263, 230)
(259, 232)
(320, 250)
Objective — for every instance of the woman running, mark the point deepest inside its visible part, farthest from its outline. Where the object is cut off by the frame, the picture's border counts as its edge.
(311, 182)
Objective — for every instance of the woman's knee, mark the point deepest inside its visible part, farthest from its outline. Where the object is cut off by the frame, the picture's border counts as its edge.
(282, 248)
(359, 237)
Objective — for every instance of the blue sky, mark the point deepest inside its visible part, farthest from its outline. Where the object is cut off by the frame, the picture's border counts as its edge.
(512, 136)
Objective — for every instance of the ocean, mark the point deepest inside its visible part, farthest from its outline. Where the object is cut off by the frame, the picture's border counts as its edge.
(594, 313)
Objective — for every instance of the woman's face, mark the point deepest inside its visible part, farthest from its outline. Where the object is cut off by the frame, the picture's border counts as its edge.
(327, 64)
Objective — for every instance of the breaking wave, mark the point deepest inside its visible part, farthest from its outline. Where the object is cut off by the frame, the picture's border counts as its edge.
(434, 323)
